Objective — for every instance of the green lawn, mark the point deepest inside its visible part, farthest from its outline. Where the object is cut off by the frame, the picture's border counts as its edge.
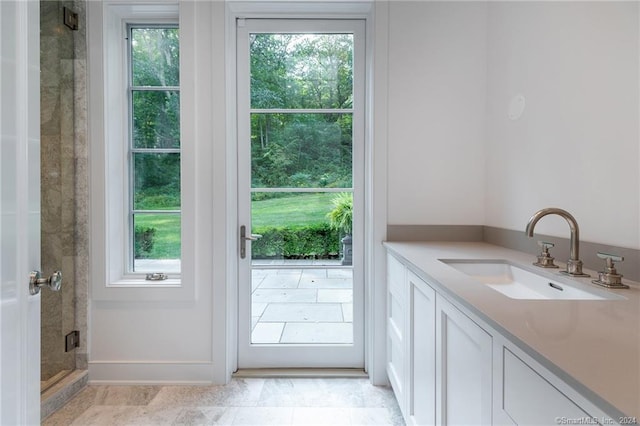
(297, 209)
(167, 238)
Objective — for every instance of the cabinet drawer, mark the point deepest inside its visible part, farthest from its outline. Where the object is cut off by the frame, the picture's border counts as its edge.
(529, 399)
(396, 316)
(396, 362)
(396, 277)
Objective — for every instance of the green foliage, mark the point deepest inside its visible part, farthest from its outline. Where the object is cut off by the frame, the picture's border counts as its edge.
(299, 150)
(156, 117)
(341, 217)
(165, 201)
(156, 67)
(156, 181)
(144, 242)
(156, 56)
(316, 241)
(301, 71)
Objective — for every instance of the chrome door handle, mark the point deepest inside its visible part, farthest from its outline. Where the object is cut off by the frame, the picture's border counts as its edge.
(243, 240)
(54, 282)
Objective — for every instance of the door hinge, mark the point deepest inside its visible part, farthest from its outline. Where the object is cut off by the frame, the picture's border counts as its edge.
(72, 341)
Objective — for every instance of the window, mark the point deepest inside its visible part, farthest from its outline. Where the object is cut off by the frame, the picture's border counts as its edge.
(142, 199)
(154, 150)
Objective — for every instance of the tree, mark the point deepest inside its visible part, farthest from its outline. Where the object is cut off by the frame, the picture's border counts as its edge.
(297, 72)
(156, 117)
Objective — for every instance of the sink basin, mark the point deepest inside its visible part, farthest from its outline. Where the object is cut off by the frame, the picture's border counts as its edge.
(518, 283)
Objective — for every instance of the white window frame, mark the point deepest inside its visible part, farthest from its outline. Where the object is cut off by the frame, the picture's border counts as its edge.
(109, 144)
(132, 150)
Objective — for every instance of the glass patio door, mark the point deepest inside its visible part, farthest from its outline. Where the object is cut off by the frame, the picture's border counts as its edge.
(300, 150)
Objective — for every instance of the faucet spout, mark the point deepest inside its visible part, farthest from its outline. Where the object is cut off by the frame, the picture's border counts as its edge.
(574, 265)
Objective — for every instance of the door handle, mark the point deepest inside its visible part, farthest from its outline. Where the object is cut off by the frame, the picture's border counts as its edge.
(36, 282)
(243, 240)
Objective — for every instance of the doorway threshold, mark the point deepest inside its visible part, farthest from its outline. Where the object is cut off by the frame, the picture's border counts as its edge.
(302, 372)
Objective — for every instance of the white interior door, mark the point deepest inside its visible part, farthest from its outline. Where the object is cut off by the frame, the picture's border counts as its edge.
(20, 211)
(300, 146)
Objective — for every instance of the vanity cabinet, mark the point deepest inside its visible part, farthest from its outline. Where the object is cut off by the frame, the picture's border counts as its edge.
(447, 366)
(439, 361)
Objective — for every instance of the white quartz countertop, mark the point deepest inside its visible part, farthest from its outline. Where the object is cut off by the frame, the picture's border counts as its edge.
(594, 345)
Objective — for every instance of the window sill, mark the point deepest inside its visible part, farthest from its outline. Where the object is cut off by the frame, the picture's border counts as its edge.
(143, 283)
(135, 289)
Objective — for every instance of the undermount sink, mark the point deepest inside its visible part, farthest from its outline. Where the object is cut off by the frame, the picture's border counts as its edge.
(518, 283)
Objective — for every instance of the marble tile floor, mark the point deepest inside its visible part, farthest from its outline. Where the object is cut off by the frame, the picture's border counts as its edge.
(302, 305)
(244, 401)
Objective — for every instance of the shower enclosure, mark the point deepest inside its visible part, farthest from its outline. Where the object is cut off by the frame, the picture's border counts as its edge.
(63, 187)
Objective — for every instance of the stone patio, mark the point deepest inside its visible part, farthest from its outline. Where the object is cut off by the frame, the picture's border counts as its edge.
(305, 304)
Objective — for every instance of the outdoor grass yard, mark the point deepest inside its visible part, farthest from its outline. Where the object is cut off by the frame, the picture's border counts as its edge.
(297, 209)
(166, 244)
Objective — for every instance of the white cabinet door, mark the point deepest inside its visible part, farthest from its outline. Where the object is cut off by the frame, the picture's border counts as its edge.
(396, 324)
(464, 368)
(529, 399)
(422, 352)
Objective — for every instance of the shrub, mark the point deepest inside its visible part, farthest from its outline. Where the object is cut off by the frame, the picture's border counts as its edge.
(315, 241)
(158, 201)
(144, 241)
(341, 217)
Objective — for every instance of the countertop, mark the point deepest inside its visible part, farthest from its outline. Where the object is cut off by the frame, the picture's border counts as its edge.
(593, 345)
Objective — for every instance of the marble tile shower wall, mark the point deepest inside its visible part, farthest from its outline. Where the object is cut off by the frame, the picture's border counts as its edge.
(64, 185)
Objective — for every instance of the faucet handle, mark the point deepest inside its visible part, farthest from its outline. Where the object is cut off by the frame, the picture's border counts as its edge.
(610, 277)
(545, 260)
(545, 246)
(610, 258)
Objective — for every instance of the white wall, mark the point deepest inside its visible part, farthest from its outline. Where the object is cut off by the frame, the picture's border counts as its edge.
(437, 86)
(576, 145)
(454, 155)
(168, 335)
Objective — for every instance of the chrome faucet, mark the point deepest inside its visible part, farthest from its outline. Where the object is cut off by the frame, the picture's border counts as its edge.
(574, 264)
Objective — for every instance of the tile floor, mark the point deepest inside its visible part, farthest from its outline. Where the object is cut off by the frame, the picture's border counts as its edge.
(244, 401)
(310, 305)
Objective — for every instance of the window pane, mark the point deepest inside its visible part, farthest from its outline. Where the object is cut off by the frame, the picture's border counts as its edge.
(301, 71)
(156, 242)
(295, 226)
(156, 119)
(156, 181)
(301, 150)
(156, 60)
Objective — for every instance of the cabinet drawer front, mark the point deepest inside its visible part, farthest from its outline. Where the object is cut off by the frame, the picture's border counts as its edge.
(529, 399)
(396, 278)
(396, 317)
(395, 362)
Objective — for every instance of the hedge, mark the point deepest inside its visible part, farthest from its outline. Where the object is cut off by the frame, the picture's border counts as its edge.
(317, 241)
(144, 241)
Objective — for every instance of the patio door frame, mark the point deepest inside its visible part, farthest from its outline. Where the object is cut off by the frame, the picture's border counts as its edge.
(300, 355)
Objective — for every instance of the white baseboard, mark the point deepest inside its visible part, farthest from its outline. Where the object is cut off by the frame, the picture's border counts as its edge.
(151, 373)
